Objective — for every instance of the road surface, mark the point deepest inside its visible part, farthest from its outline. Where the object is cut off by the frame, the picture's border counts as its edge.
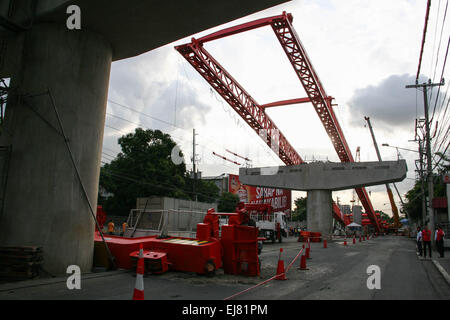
(337, 272)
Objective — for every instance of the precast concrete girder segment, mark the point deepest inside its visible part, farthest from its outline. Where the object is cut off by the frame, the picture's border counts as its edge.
(325, 175)
(320, 179)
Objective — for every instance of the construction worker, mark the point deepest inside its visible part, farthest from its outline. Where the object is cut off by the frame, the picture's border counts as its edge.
(419, 241)
(110, 227)
(439, 238)
(124, 227)
(426, 237)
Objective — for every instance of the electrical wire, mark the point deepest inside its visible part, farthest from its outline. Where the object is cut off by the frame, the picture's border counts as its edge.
(423, 39)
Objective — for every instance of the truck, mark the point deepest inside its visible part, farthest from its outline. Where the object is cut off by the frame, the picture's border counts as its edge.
(271, 225)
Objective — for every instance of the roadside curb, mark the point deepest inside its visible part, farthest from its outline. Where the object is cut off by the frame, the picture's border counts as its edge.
(442, 271)
(50, 281)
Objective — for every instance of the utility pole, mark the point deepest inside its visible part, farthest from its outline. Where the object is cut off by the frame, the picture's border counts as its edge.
(422, 183)
(425, 87)
(194, 168)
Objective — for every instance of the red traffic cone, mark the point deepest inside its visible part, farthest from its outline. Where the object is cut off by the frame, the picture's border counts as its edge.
(359, 238)
(325, 243)
(354, 240)
(345, 242)
(303, 263)
(280, 268)
(139, 287)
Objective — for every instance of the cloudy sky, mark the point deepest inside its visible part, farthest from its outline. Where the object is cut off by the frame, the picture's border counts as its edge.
(364, 52)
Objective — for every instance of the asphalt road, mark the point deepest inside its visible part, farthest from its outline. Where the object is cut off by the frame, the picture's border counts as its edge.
(338, 272)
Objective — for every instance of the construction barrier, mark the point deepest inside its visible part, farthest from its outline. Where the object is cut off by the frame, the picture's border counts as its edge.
(268, 280)
(306, 236)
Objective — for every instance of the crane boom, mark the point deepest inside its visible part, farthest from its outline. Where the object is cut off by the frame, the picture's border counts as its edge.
(253, 113)
(388, 188)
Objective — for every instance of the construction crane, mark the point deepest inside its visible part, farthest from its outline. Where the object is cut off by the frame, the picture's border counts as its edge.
(253, 113)
(357, 159)
(389, 191)
(224, 158)
(247, 160)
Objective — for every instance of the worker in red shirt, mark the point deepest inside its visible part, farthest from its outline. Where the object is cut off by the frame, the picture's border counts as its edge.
(439, 238)
(426, 237)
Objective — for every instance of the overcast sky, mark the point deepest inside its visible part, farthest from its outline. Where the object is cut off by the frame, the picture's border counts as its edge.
(364, 52)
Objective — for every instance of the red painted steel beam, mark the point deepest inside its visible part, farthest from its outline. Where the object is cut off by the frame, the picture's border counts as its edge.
(218, 155)
(239, 99)
(285, 103)
(242, 28)
(304, 69)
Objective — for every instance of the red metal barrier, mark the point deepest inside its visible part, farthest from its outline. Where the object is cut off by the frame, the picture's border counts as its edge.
(179, 251)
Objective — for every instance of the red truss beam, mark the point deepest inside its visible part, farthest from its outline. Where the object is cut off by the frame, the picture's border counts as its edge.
(239, 100)
(253, 113)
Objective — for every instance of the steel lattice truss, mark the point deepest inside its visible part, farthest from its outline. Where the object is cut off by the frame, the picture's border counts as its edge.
(254, 114)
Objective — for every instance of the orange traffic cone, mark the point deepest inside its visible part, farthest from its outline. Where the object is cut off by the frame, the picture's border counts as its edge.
(280, 268)
(303, 263)
(139, 287)
(307, 253)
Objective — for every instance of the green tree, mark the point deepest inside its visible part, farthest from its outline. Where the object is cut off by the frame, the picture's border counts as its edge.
(206, 191)
(227, 202)
(143, 168)
(384, 216)
(299, 213)
(413, 204)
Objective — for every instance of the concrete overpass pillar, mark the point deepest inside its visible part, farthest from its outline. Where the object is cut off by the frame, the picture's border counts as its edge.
(44, 203)
(319, 215)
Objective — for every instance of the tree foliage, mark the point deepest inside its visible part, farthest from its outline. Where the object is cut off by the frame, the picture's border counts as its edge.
(145, 168)
(299, 213)
(228, 202)
(413, 204)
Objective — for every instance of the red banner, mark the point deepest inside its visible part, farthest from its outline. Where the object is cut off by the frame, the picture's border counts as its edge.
(280, 199)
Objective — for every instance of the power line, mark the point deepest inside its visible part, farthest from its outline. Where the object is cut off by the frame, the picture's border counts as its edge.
(171, 135)
(434, 41)
(167, 187)
(437, 59)
(423, 39)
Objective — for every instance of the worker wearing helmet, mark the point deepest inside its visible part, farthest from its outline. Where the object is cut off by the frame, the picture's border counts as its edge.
(110, 227)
